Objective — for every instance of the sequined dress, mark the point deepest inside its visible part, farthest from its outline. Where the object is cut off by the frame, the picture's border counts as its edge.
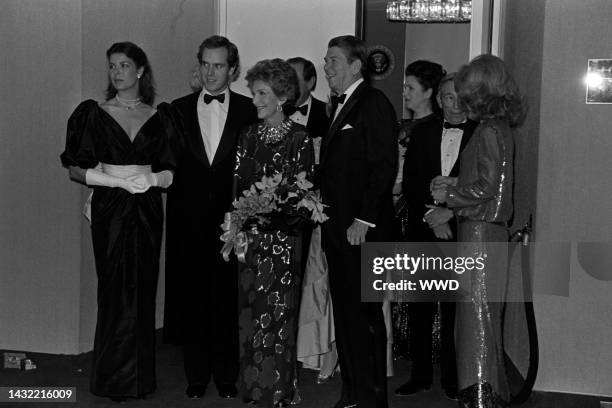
(482, 201)
(269, 283)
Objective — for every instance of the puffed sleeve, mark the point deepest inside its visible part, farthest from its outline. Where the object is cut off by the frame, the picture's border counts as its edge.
(80, 148)
(169, 144)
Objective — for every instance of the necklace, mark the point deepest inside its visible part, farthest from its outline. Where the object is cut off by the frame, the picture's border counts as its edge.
(274, 134)
(128, 103)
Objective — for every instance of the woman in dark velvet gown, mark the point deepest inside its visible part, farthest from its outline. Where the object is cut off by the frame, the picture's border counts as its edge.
(269, 282)
(122, 148)
(412, 327)
(482, 200)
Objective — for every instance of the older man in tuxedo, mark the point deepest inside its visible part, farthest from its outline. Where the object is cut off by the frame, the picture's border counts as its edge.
(433, 150)
(357, 171)
(201, 289)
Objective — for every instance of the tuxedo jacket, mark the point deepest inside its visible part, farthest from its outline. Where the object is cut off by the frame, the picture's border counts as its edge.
(202, 191)
(421, 165)
(358, 165)
(318, 121)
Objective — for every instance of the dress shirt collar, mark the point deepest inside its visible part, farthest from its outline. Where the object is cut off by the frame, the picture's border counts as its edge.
(349, 91)
(307, 103)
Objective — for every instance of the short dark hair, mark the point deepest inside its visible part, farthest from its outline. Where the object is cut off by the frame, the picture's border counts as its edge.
(354, 48)
(308, 69)
(487, 90)
(217, 41)
(146, 83)
(279, 75)
(428, 74)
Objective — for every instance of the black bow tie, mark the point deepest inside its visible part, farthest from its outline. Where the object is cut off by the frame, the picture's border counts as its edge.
(335, 100)
(460, 126)
(208, 98)
(290, 110)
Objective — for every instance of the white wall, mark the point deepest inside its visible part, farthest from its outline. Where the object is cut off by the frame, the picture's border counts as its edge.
(574, 195)
(39, 227)
(283, 29)
(52, 57)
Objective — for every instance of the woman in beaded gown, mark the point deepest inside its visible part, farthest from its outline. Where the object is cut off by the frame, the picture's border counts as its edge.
(482, 200)
(269, 282)
(121, 148)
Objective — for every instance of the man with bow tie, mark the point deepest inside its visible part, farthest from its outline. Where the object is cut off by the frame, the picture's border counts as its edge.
(201, 289)
(309, 111)
(357, 170)
(433, 150)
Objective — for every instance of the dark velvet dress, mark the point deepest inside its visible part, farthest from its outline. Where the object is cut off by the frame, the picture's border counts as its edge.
(269, 283)
(126, 232)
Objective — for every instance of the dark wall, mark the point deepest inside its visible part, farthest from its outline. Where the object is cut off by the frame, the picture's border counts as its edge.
(379, 31)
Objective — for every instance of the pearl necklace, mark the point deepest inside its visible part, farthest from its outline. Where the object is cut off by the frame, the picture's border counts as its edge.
(274, 134)
(128, 103)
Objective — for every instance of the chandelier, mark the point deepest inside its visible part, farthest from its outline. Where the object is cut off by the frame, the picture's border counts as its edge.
(430, 11)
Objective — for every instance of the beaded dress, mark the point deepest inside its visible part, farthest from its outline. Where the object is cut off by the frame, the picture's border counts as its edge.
(269, 282)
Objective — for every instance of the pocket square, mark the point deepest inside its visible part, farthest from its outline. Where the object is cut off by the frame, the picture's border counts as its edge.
(347, 126)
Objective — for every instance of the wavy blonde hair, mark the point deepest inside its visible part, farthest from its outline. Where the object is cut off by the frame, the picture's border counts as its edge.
(487, 90)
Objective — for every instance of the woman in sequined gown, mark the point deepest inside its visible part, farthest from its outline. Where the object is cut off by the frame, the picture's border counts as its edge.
(269, 282)
(482, 200)
(122, 148)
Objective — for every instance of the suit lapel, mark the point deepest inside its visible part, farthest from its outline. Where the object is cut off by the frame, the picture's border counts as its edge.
(346, 109)
(465, 138)
(436, 146)
(192, 124)
(229, 134)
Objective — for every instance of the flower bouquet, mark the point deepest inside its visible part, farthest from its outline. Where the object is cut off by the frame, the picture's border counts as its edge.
(273, 198)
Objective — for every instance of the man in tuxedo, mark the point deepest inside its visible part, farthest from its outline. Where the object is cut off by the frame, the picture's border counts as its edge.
(357, 171)
(433, 150)
(309, 111)
(201, 289)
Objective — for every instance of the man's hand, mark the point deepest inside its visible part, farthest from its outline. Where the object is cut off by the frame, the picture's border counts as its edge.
(443, 232)
(438, 216)
(356, 233)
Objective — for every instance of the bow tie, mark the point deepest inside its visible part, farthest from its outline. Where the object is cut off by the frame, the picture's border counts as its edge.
(290, 110)
(208, 98)
(335, 100)
(460, 126)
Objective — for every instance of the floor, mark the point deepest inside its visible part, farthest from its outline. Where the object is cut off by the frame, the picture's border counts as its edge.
(57, 370)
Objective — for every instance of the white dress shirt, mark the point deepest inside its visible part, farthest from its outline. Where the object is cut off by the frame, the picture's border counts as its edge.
(449, 152)
(449, 149)
(211, 118)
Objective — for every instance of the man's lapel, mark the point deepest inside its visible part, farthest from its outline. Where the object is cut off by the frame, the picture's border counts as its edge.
(339, 121)
(192, 124)
(465, 138)
(435, 143)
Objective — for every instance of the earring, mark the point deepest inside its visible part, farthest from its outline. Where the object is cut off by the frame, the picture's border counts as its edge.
(279, 108)
(138, 76)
